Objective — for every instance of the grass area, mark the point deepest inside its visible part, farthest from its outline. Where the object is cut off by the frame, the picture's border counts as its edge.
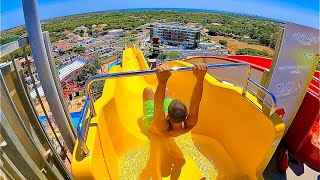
(233, 45)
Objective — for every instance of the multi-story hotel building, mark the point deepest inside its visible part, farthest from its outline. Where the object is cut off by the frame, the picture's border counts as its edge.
(177, 34)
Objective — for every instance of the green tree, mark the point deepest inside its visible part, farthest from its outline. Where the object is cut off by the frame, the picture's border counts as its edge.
(81, 33)
(134, 32)
(58, 64)
(219, 30)
(98, 88)
(173, 55)
(273, 43)
(253, 52)
(26, 71)
(80, 49)
(162, 56)
(251, 41)
(90, 32)
(264, 39)
(223, 42)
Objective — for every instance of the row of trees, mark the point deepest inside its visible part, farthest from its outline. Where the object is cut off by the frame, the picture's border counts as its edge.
(11, 34)
(111, 20)
(256, 28)
(259, 32)
(16, 54)
(79, 49)
(253, 52)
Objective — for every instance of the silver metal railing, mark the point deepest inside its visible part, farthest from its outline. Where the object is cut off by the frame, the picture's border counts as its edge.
(84, 120)
(45, 155)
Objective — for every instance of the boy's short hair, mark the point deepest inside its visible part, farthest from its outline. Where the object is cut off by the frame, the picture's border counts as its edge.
(177, 111)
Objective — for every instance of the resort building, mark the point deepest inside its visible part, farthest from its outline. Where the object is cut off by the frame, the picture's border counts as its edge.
(177, 34)
(62, 46)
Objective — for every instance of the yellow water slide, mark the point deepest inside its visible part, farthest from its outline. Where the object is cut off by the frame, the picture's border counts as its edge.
(233, 139)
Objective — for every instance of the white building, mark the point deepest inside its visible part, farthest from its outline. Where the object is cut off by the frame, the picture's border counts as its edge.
(83, 28)
(177, 34)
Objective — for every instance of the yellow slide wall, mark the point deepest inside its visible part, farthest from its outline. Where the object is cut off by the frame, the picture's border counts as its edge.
(232, 140)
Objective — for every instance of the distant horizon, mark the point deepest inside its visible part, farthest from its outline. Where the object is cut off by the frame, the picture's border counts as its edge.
(158, 9)
(294, 11)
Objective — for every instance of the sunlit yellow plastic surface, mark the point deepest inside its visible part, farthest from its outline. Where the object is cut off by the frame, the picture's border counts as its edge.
(232, 140)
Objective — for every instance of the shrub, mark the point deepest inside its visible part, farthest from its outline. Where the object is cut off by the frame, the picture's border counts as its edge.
(223, 42)
(253, 52)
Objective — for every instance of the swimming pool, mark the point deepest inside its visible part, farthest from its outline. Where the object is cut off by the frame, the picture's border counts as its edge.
(113, 64)
(75, 116)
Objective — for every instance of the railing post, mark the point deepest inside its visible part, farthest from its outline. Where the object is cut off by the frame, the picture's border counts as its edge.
(272, 96)
(83, 126)
(56, 79)
(90, 94)
(30, 9)
(245, 85)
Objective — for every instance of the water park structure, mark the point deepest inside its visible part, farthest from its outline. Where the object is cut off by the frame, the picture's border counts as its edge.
(253, 109)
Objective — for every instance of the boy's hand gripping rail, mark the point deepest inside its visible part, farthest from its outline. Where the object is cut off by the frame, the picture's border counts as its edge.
(84, 121)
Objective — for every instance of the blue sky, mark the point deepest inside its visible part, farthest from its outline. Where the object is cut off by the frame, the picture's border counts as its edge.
(305, 12)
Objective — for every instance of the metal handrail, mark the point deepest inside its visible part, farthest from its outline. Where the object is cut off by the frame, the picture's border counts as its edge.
(273, 97)
(95, 78)
(84, 122)
(57, 166)
(81, 138)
